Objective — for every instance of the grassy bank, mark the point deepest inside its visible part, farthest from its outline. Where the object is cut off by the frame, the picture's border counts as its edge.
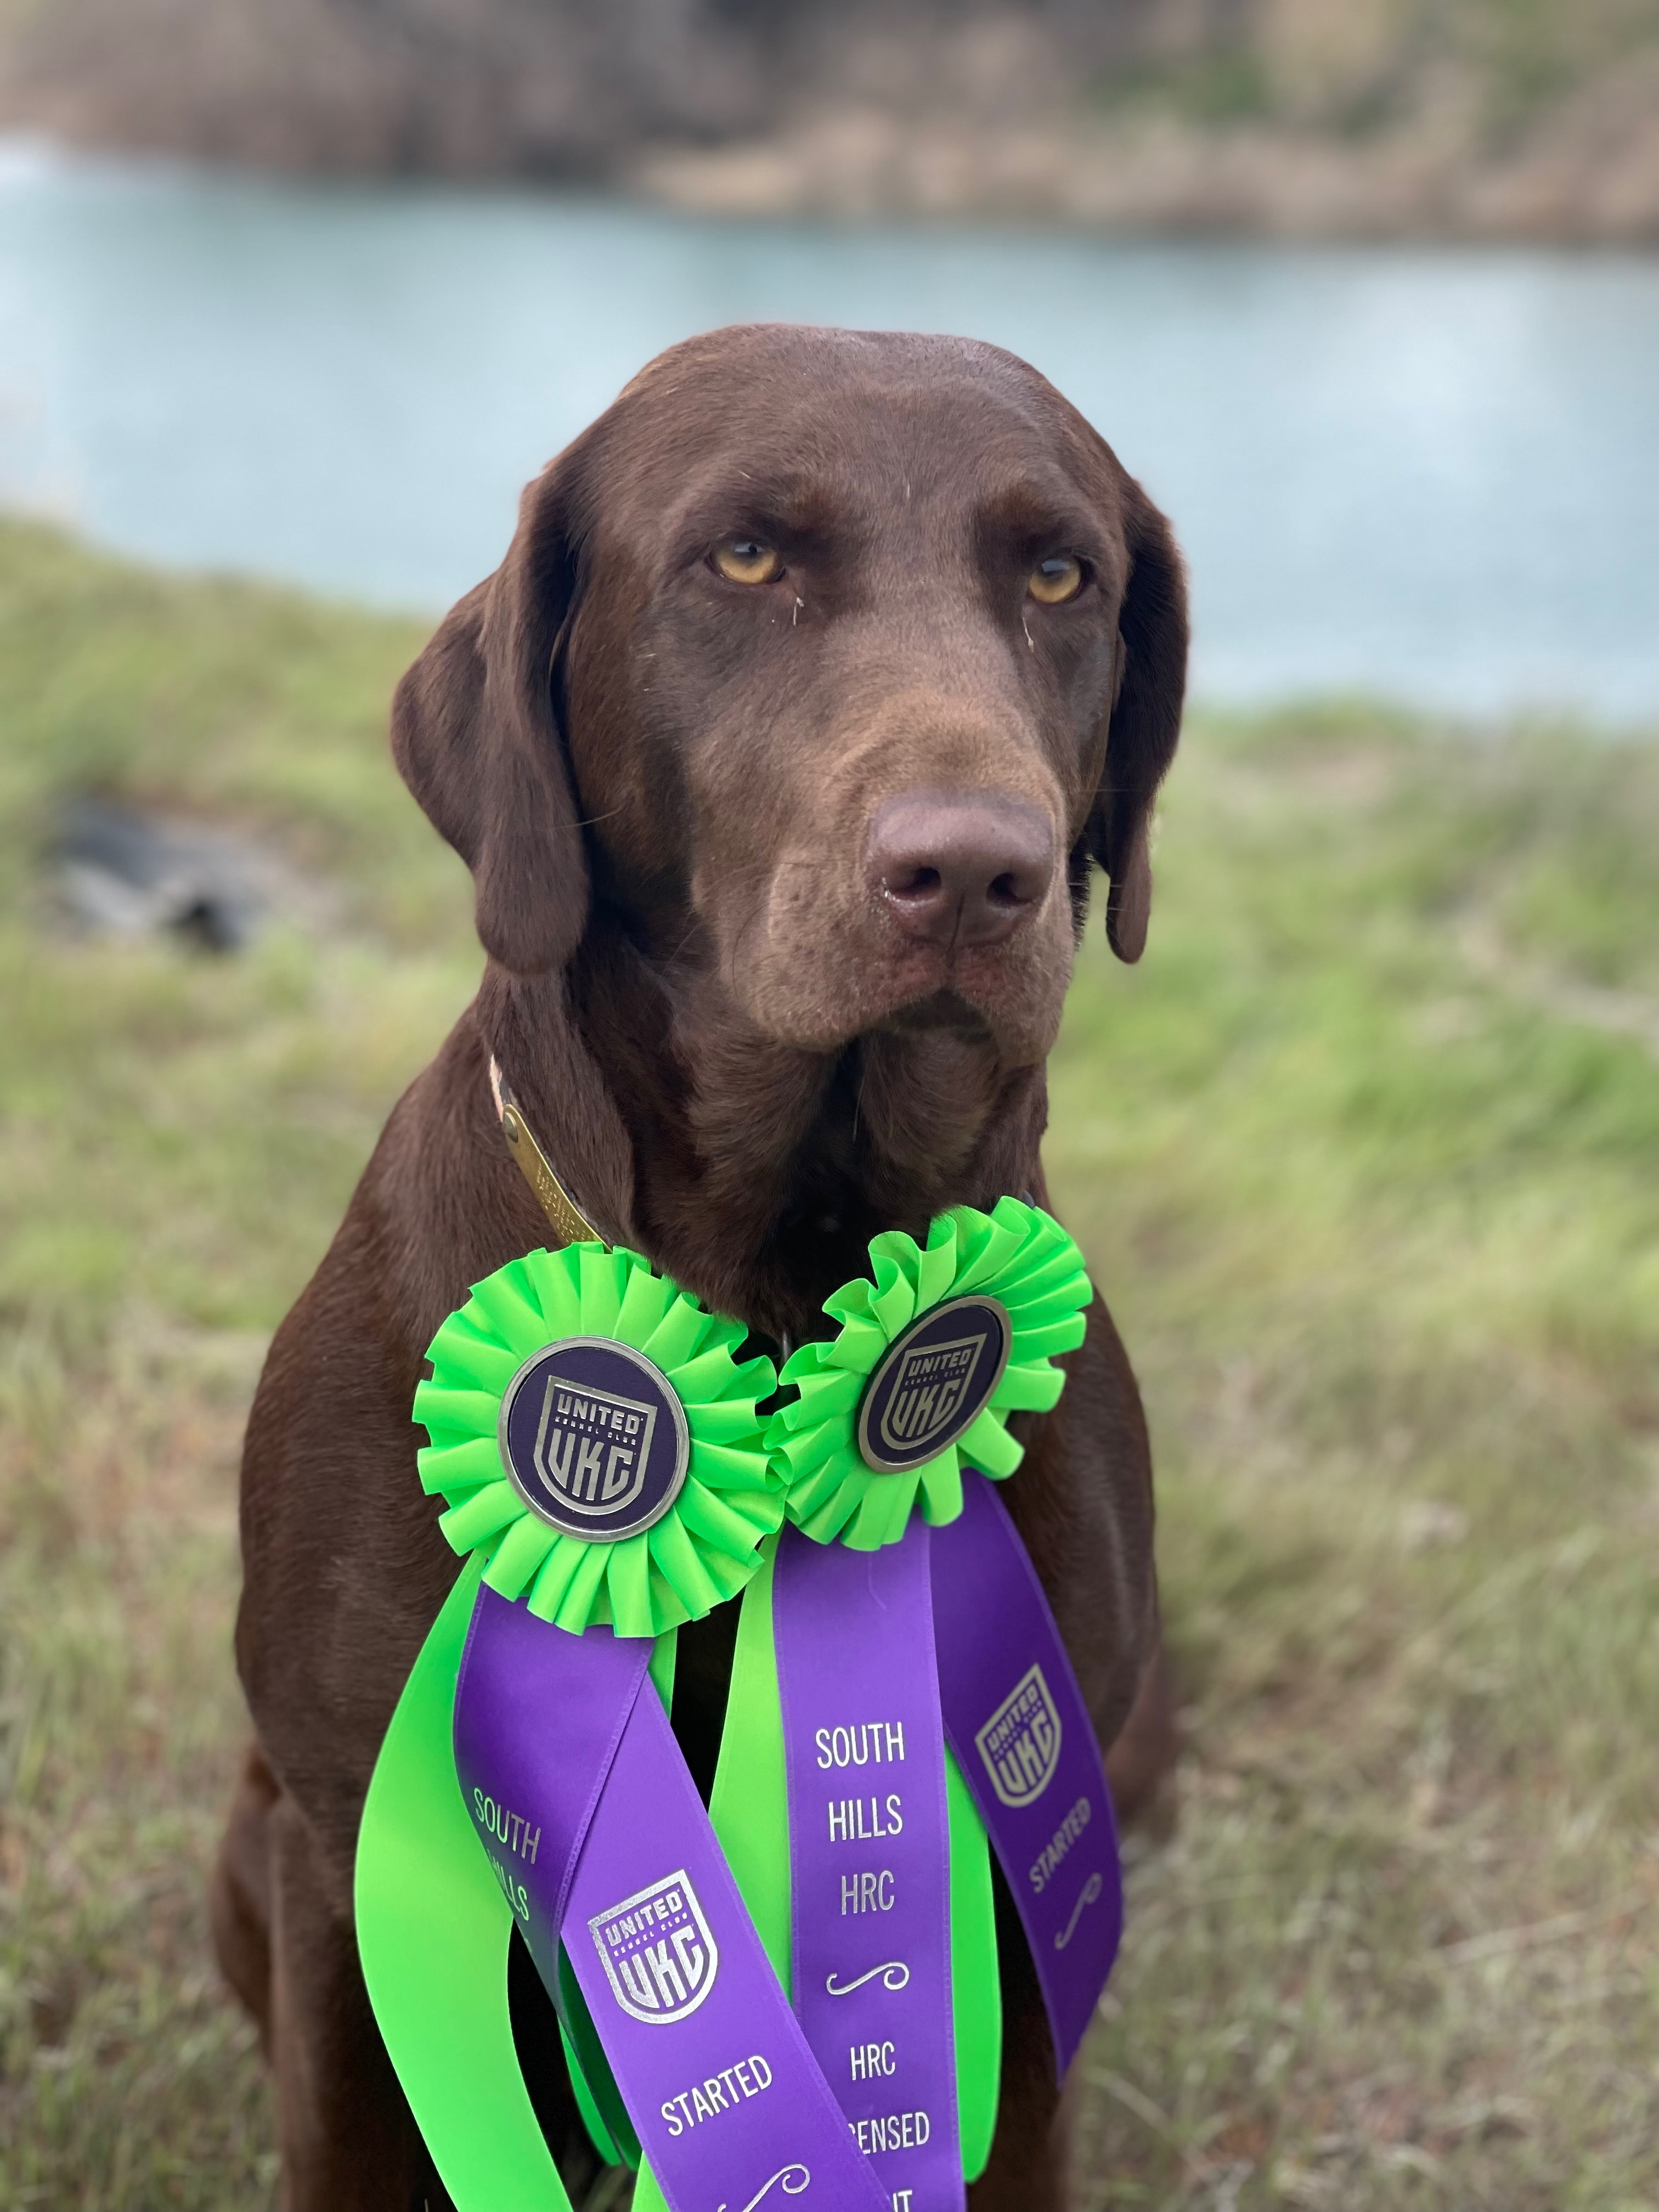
(1364, 1159)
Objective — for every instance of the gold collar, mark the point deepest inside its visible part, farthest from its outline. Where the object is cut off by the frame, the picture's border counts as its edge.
(572, 1224)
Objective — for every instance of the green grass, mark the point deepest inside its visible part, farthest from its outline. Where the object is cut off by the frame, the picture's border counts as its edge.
(1330, 66)
(1366, 1158)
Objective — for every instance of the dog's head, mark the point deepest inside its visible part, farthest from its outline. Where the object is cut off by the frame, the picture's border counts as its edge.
(825, 661)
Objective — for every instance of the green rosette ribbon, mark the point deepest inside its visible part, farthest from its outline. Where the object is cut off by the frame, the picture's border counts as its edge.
(705, 1547)
(1017, 1254)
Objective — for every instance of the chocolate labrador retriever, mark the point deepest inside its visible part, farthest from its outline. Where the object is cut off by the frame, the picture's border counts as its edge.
(820, 669)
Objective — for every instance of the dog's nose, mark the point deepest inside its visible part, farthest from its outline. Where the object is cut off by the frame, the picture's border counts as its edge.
(960, 870)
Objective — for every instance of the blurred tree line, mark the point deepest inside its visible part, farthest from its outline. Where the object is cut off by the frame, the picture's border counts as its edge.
(567, 88)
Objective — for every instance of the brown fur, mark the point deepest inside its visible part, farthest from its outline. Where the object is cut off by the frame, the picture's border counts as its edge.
(664, 783)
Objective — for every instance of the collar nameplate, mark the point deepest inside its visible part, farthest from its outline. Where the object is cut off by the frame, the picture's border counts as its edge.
(573, 1225)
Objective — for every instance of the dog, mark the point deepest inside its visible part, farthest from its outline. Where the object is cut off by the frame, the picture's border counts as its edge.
(821, 669)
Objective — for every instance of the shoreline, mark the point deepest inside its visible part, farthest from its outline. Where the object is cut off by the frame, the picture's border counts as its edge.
(1154, 178)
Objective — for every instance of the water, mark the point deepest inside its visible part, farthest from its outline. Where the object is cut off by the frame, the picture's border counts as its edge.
(1433, 474)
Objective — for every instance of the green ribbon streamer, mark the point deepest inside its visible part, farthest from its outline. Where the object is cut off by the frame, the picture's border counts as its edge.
(433, 1929)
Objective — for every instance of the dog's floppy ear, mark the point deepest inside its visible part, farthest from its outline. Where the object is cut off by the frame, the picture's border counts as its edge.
(1146, 721)
(475, 731)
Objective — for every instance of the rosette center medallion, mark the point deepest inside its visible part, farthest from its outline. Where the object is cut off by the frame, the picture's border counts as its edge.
(934, 1383)
(594, 1439)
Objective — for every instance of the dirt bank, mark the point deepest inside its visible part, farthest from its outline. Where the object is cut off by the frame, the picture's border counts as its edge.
(1492, 118)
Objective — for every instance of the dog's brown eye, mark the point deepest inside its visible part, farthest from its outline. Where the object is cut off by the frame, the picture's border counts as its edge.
(1055, 580)
(746, 561)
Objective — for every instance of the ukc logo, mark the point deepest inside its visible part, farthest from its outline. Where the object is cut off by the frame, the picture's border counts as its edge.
(593, 1438)
(658, 1951)
(934, 1383)
(1020, 1742)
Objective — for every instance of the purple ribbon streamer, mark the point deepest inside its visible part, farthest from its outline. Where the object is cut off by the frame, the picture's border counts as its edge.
(538, 1724)
(1022, 1735)
(584, 1804)
(870, 1852)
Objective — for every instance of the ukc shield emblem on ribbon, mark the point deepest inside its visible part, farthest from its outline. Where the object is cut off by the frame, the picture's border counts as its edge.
(1020, 1742)
(658, 1951)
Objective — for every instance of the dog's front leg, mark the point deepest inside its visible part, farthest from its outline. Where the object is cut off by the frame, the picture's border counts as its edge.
(1027, 2168)
(348, 2142)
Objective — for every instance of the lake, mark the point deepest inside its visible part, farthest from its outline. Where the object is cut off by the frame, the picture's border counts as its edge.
(1433, 474)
